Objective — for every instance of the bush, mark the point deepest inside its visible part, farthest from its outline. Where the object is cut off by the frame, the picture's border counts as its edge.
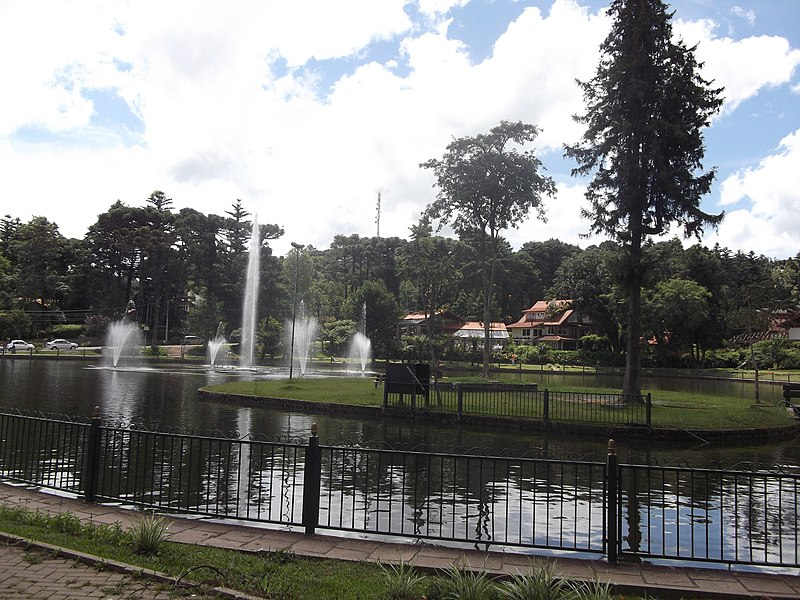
(148, 533)
(69, 331)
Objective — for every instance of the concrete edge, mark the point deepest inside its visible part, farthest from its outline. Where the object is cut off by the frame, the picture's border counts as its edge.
(117, 566)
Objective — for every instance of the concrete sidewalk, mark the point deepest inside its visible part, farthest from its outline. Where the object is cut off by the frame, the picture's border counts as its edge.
(627, 578)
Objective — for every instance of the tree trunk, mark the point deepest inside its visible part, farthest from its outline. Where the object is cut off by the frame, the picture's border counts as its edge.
(631, 384)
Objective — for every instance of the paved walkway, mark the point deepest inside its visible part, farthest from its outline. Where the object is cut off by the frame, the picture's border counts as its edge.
(659, 581)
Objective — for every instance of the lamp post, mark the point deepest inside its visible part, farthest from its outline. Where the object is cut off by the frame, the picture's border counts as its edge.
(297, 247)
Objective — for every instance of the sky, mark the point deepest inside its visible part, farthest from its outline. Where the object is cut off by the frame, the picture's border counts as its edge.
(310, 110)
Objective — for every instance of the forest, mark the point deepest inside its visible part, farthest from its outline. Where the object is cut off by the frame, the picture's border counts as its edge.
(182, 272)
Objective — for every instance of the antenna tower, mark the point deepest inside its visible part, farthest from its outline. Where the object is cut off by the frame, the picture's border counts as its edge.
(378, 215)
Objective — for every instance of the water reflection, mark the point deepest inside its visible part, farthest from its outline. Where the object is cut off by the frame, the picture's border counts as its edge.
(165, 398)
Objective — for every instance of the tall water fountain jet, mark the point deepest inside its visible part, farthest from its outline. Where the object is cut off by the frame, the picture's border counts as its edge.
(361, 346)
(121, 335)
(305, 334)
(214, 345)
(248, 342)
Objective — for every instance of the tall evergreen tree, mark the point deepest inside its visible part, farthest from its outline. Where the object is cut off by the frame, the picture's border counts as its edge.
(646, 108)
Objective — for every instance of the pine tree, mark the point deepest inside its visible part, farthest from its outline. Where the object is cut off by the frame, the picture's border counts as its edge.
(646, 108)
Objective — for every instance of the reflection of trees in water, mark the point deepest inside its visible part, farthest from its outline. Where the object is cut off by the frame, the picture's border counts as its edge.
(237, 478)
(42, 452)
(731, 516)
(460, 497)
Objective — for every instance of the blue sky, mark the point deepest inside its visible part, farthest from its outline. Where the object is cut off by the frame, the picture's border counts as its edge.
(305, 110)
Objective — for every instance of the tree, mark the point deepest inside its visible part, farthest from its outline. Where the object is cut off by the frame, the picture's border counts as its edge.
(487, 185)
(382, 313)
(674, 314)
(646, 108)
(39, 251)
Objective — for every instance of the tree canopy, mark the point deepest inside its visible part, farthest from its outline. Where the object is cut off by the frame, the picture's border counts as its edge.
(646, 108)
(486, 184)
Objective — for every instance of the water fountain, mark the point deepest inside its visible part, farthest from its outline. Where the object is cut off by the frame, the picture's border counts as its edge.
(215, 344)
(120, 335)
(249, 321)
(360, 346)
(305, 334)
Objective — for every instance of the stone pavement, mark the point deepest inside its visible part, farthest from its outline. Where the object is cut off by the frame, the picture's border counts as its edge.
(627, 578)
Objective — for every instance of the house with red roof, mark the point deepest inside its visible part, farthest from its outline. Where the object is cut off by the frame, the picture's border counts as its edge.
(448, 323)
(552, 322)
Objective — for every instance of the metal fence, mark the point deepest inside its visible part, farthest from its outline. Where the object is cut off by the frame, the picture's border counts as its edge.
(521, 400)
(497, 502)
(728, 516)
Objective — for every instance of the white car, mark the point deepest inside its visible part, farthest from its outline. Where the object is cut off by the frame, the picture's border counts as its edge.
(18, 346)
(61, 344)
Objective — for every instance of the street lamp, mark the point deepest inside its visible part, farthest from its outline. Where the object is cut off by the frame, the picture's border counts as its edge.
(297, 247)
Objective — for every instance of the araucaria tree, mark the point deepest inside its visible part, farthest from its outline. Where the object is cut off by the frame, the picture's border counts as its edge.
(488, 183)
(646, 108)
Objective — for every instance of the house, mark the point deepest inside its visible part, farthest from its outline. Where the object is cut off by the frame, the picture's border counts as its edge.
(792, 327)
(552, 322)
(781, 326)
(443, 322)
(448, 323)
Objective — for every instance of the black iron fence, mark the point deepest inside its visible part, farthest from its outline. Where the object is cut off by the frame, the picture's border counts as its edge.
(605, 508)
(520, 400)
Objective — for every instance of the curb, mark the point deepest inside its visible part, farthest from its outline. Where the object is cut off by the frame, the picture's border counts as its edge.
(120, 567)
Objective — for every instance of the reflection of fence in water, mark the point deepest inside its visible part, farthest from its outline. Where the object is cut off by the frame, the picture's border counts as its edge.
(748, 517)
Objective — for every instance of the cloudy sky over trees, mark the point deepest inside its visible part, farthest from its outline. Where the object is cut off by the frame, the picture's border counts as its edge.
(306, 110)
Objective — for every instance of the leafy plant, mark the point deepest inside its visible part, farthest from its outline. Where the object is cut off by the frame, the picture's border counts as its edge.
(403, 582)
(148, 533)
(461, 583)
(590, 590)
(540, 583)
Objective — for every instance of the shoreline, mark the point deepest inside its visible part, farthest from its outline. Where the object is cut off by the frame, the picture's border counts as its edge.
(724, 436)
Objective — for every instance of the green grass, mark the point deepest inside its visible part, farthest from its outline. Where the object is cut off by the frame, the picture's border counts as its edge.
(359, 391)
(278, 574)
(684, 410)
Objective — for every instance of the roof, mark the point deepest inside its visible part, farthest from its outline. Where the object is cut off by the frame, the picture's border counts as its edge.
(418, 317)
(563, 318)
(556, 338)
(474, 329)
(543, 305)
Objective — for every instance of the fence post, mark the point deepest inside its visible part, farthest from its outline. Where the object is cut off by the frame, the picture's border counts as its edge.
(312, 476)
(612, 497)
(546, 400)
(91, 472)
(460, 393)
(649, 410)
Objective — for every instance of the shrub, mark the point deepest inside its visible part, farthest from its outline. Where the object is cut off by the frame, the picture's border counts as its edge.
(148, 533)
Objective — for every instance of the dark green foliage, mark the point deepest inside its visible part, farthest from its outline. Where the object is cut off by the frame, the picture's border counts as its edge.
(646, 108)
(485, 186)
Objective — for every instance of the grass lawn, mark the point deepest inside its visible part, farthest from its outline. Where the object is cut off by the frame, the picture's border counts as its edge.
(683, 410)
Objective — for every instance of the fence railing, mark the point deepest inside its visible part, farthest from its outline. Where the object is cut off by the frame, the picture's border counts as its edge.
(605, 508)
(521, 400)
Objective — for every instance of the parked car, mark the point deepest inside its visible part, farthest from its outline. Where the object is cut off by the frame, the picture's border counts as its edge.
(192, 340)
(61, 344)
(18, 346)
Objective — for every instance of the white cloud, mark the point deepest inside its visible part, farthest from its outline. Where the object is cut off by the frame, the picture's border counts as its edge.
(769, 222)
(747, 15)
(743, 67)
(231, 108)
